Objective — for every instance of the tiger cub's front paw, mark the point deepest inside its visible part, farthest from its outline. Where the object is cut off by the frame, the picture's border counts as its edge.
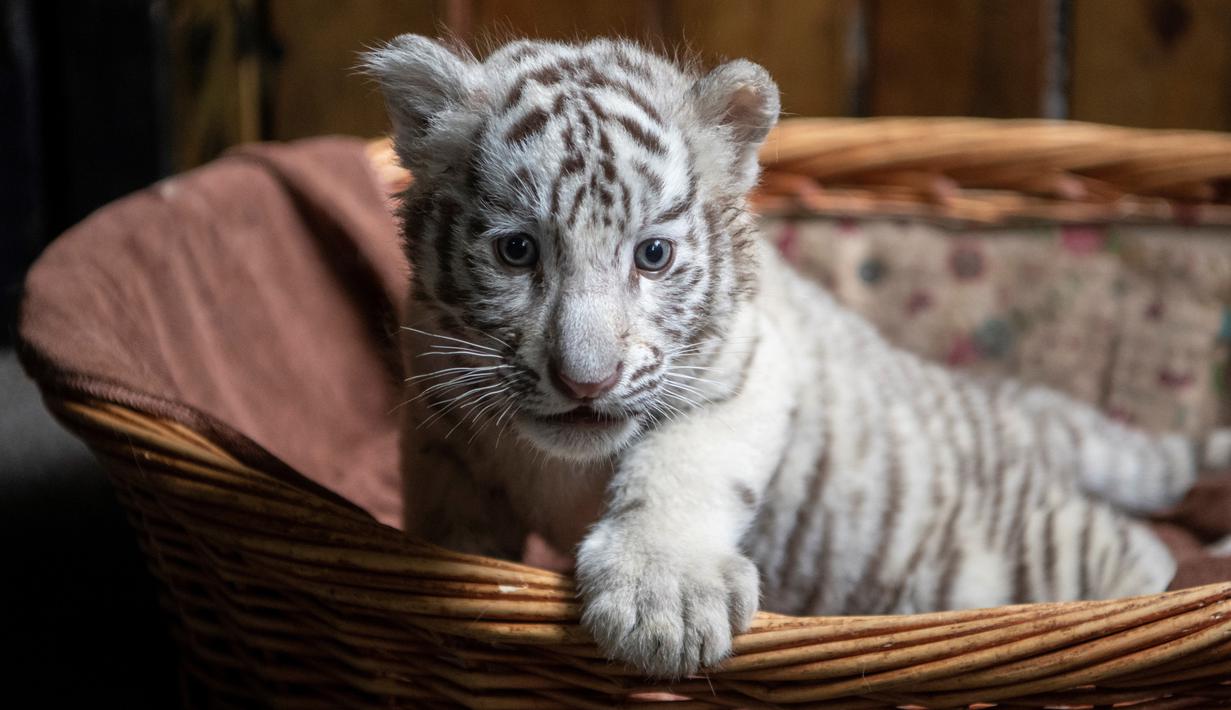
(665, 614)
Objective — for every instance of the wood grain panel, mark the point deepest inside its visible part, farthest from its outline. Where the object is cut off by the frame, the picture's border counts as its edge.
(215, 79)
(1152, 63)
(993, 58)
(312, 84)
(492, 22)
(812, 48)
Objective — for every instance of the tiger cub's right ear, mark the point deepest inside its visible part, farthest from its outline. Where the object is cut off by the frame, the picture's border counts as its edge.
(434, 98)
(740, 101)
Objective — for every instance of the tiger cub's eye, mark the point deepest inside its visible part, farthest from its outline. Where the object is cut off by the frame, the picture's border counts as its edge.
(653, 256)
(517, 250)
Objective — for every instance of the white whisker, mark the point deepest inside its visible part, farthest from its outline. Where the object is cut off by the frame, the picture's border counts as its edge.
(449, 384)
(685, 388)
(708, 341)
(498, 340)
(451, 404)
(676, 395)
(658, 411)
(460, 352)
(448, 370)
(476, 401)
(447, 337)
(513, 407)
(398, 406)
(706, 380)
(474, 416)
(479, 414)
(676, 410)
(467, 393)
(673, 394)
(512, 403)
(446, 348)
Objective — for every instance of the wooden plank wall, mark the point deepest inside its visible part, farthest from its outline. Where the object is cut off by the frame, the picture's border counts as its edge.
(810, 47)
(215, 79)
(962, 57)
(312, 85)
(1154, 63)
(1158, 64)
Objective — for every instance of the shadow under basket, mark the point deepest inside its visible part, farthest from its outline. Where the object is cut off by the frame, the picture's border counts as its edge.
(283, 593)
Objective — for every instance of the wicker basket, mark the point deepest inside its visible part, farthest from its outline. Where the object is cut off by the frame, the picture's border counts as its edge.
(281, 596)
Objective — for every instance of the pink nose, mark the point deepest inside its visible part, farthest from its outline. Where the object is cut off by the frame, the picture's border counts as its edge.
(584, 390)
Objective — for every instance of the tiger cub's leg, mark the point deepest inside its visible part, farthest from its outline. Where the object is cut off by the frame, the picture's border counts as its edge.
(1081, 548)
(1132, 469)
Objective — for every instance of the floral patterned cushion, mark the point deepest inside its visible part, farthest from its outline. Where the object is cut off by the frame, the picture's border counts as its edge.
(1133, 318)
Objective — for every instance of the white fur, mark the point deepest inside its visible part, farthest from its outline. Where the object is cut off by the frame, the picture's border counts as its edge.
(792, 454)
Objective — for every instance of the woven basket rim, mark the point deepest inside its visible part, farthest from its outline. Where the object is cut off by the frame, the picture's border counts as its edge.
(996, 171)
(325, 552)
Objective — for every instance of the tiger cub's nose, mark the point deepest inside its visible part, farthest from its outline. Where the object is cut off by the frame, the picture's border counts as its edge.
(584, 391)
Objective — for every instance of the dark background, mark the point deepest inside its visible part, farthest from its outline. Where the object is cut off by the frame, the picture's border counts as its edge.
(102, 97)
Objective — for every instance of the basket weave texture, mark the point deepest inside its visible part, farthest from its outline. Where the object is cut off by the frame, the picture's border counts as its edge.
(981, 171)
(281, 596)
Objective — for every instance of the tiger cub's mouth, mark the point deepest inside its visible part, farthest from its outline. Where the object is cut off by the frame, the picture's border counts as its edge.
(580, 434)
(584, 417)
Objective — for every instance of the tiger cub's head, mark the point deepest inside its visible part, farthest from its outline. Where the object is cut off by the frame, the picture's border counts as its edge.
(576, 230)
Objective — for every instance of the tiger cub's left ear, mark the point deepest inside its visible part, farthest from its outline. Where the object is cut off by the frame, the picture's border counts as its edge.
(434, 96)
(741, 100)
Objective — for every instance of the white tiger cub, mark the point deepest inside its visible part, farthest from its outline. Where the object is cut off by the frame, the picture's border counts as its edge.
(604, 353)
